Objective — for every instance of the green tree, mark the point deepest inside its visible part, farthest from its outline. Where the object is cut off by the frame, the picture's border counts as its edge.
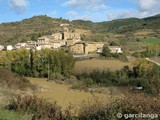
(106, 52)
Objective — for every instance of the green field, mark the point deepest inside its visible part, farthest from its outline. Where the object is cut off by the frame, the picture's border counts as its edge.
(11, 115)
(151, 40)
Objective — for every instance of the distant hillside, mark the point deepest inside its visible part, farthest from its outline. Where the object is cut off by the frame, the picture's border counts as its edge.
(32, 28)
(28, 29)
(122, 25)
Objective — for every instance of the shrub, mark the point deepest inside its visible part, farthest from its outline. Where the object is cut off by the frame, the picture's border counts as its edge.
(120, 56)
(132, 104)
(38, 108)
(56, 76)
(144, 74)
(80, 86)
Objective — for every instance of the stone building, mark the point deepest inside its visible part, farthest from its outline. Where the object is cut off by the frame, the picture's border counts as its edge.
(57, 36)
(78, 48)
(31, 45)
(84, 47)
(20, 45)
(93, 47)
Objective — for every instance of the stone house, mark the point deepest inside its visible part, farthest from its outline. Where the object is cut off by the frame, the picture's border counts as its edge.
(31, 44)
(43, 40)
(57, 36)
(93, 47)
(68, 34)
(78, 48)
(56, 44)
(84, 47)
(20, 45)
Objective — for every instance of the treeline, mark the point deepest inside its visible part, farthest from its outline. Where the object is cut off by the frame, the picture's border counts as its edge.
(37, 63)
(144, 74)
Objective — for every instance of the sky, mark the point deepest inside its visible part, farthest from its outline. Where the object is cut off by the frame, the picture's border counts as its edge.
(94, 10)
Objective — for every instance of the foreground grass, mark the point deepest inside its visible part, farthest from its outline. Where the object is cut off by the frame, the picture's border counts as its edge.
(62, 93)
(11, 115)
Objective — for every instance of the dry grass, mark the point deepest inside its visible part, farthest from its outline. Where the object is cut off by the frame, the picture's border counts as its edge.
(63, 94)
(99, 64)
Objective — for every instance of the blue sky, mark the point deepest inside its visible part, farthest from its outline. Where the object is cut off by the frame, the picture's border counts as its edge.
(94, 10)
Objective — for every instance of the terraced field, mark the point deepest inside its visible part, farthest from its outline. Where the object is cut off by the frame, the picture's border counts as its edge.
(100, 64)
(151, 40)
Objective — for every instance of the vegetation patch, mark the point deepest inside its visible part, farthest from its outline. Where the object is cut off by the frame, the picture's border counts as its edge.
(12, 115)
(151, 40)
(13, 81)
(94, 109)
(38, 108)
(145, 75)
(37, 63)
(132, 104)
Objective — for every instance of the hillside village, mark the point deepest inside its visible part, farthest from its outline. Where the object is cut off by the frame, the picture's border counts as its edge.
(68, 39)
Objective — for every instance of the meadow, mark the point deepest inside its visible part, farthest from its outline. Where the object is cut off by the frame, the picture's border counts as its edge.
(65, 96)
(151, 40)
(12, 115)
(100, 64)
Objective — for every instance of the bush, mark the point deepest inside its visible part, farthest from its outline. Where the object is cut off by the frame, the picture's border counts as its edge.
(132, 104)
(120, 56)
(56, 76)
(88, 81)
(38, 108)
(80, 86)
(106, 52)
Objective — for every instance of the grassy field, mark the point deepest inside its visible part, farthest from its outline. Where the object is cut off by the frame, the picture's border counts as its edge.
(64, 95)
(99, 64)
(11, 115)
(151, 40)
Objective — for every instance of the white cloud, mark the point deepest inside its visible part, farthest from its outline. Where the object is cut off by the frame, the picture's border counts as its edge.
(73, 15)
(119, 14)
(86, 4)
(19, 6)
(145, 5)
(145, 8)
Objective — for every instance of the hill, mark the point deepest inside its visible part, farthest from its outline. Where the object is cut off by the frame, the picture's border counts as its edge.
(121, 25)
(32, 28)
(28, 29)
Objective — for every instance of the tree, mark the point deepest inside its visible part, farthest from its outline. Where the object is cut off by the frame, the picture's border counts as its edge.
(106, 52)
(113, 43)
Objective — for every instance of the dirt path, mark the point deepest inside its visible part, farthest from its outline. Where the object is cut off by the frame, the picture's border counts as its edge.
(63, 94)
(155, 62)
